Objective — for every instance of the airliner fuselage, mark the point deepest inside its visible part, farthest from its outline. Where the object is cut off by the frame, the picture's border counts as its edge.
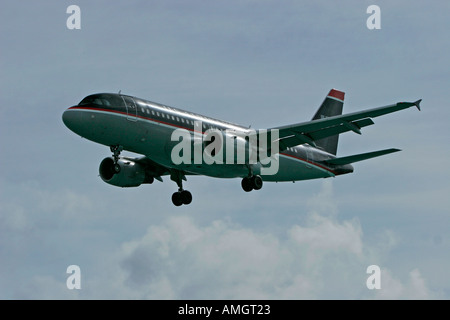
(128, 123)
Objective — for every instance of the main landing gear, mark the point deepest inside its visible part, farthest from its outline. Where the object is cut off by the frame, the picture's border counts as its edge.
(253, 182)
(116, 153)
(181, 196)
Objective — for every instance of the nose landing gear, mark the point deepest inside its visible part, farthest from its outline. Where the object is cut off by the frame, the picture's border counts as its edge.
(116, 149)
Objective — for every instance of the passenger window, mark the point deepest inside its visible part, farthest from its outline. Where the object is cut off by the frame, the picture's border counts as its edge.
(178, 119)
(153, 112)
(157, 113)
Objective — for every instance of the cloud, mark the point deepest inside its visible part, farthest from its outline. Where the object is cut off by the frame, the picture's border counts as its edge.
(324, 234)
(182, 260)
(44, 288)
(321, 258)
(219, 260)
(414, 288)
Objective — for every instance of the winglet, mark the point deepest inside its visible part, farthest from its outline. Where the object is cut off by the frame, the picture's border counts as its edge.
(417, 104)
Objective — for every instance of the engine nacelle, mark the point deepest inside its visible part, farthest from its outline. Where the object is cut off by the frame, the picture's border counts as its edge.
(131, 174)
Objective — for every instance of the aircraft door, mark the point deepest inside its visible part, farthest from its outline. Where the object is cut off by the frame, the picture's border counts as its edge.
(131, 108)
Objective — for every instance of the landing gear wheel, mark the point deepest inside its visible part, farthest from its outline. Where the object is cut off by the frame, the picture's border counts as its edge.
(246, 184)
(257, 182)
(252, 183)
(186, 197)
(176, 199)
(181, 197)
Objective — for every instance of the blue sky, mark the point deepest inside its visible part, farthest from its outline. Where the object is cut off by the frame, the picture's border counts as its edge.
(259, 63)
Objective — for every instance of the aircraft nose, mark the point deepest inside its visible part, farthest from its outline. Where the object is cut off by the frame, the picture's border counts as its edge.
(72, 119)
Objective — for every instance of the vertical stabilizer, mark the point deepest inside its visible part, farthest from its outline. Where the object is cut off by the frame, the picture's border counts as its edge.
(331, 106)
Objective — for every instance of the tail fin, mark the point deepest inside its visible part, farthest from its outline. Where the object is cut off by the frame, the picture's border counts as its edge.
(331, 106)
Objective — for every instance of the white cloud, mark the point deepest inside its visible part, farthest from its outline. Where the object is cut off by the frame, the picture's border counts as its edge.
(324, 234)
(414, 288)
(321, 257)
(182, 260)
(229, 259)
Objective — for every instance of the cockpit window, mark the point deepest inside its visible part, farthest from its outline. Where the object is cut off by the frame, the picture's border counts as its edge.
(107, 100)
(102, 102)
(98, 101)
(87, 100)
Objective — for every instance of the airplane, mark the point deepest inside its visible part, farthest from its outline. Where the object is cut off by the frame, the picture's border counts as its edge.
(300, 151)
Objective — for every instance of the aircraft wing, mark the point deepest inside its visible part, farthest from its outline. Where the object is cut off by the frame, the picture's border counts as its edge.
(155, 170)
(308, 132)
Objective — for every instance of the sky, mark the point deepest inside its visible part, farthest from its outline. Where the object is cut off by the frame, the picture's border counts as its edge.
(260, 63)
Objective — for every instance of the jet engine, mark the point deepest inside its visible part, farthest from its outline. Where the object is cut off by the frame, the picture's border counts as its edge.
(130, 174)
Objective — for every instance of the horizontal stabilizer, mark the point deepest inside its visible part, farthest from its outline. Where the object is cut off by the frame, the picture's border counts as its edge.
(417, 104)
(359, 157)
